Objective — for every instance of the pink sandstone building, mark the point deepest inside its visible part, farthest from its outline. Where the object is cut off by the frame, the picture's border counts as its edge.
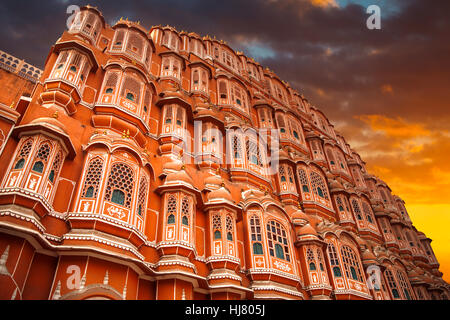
(157, 164)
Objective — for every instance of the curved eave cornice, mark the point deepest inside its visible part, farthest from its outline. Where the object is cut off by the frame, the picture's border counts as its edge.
(180, 185)
(221, 203)
(202, 64)
(124, 66)
(76, 44)
(96, 11)
(132, 25)
(166, 98)
(210, 118)
(176, 54)
(47, 129)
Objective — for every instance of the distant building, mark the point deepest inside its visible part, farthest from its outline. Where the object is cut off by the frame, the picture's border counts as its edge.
(135, 168)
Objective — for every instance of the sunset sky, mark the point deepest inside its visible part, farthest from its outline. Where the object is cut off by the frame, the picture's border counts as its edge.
(387, 91)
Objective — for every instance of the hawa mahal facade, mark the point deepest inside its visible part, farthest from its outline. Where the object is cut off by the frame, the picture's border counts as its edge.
(164, 165)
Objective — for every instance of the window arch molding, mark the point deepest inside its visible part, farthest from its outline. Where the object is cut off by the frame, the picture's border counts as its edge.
(72, 65)
(36, 165)
(127, 89)
(114, 183)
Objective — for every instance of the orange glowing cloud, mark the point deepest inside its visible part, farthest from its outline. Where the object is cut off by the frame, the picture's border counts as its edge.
(413, 159)
(324, 3)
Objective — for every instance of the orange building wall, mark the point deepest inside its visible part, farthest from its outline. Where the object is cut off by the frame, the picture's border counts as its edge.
(72, 227)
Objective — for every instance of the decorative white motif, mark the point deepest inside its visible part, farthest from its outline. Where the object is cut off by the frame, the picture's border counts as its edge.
(259, 263)
(86, 206)
(282, 266)
(185, 235)
(217, 248)
(32, 183)
(358, 286)
(170, 234)
(12, 181)
(47, 191)
(116, 211)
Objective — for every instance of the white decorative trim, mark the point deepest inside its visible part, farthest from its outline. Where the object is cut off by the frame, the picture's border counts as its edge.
(95, 216)
(33, 195)
(178, 243)
(175, 262)
(24, 217)
(354, 292)
(318, 286)
(275, 272)
(224, 276)
(278, 289)
(223, 258)
(102, 240)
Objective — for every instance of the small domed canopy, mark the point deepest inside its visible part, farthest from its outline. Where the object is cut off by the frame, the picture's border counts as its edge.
(172, 166)
(298, 217)
(50, 127)
(179, 176)
(367, 255)
(214, 181)
(307, 230)
(220, 194)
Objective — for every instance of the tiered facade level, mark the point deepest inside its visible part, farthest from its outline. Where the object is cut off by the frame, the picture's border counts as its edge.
(137, 170)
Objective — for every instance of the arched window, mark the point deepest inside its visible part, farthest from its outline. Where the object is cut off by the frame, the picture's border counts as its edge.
(351, 264)
(281, 123)
(311, 260)
(253, 153)
(368, 212)
(55, 167)
(331, 157)
(318, 185)
(392, 283)
(171, 67)
(111, 81)
(404, 284)
(237, 147)
(171, 209)
(168, 115)
(356, 209)
(223, 91)
(118, 197)
(257, 248)
(290, 175)
(93, 177)
(239, 97)
(334, 260)
(320, 259)
(339, 203)
(277, 240)
(282, 173)
(131, 89)
(23, 154)
(230, 228)
(142, 196)
(255, 232)
(119, 39)
(303, 180)
(41, 158)
(19, 164)
(135, 44)
(119, 188)
(217, 226)
(185, 211)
